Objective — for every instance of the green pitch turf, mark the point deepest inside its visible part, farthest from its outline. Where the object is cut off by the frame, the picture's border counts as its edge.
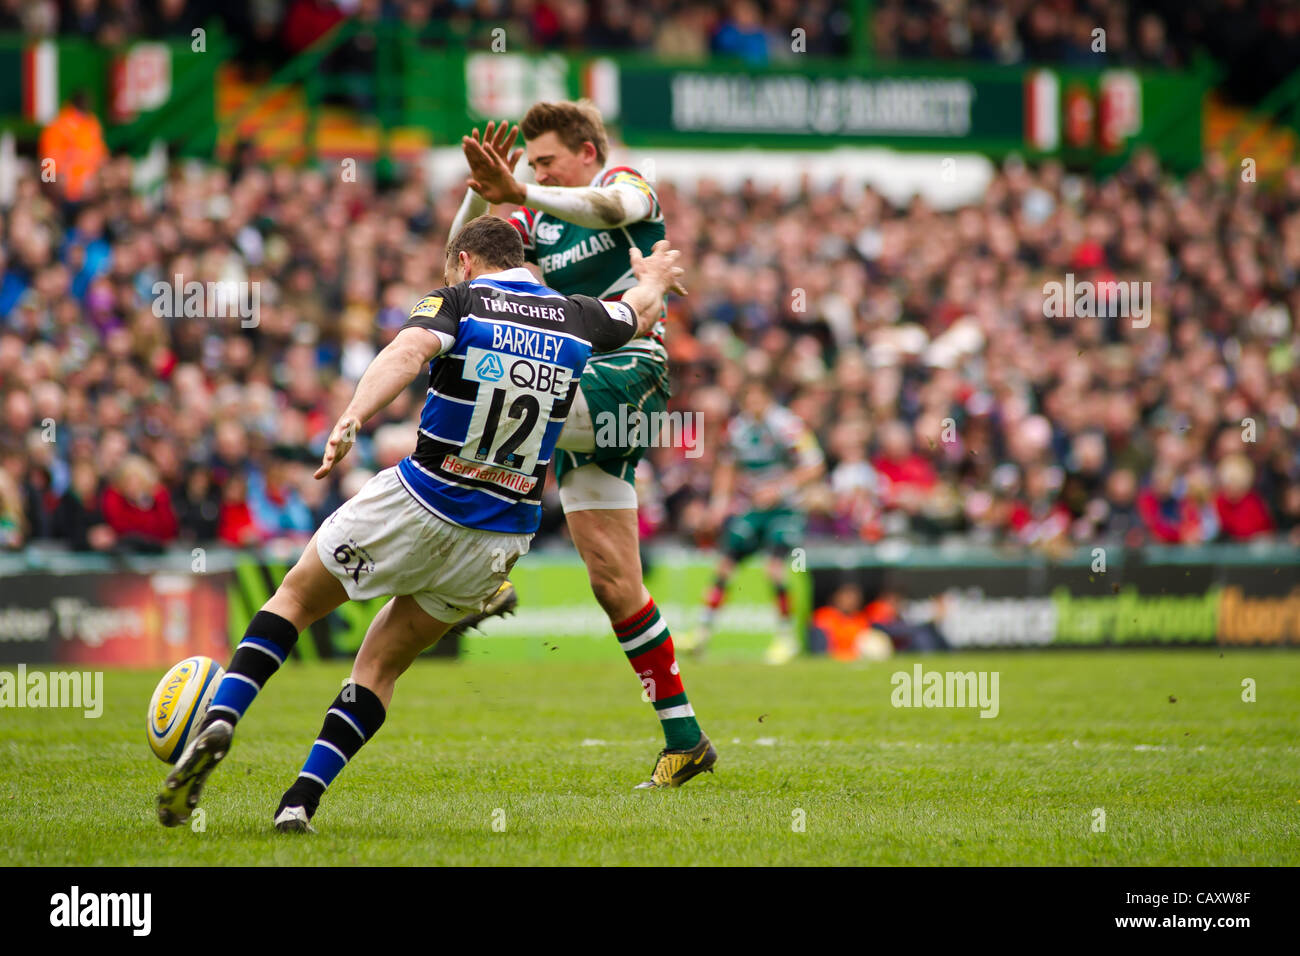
(511, 763)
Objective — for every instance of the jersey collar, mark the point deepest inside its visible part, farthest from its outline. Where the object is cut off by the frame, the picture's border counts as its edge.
(509, 275)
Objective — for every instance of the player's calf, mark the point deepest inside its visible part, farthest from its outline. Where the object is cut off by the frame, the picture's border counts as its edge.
(399, 632)
(648, 644)
(352, 719)
(265, 646)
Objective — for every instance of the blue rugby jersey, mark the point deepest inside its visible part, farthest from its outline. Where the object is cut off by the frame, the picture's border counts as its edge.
(499, 396)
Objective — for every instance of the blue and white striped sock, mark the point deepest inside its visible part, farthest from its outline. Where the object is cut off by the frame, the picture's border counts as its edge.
(266, 645)
(355, 716)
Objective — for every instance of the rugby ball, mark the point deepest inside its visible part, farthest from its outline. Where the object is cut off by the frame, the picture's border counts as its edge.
(179, 702)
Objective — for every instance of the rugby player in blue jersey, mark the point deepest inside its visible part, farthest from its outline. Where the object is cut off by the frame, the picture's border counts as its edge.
(439, 532)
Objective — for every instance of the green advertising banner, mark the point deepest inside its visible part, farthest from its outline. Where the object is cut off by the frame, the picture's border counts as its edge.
(1086, 116)
(812, 110)
(1078, 113)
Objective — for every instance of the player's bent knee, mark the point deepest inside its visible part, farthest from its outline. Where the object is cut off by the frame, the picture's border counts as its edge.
(291, 602)
(308, 592)
(617, 590)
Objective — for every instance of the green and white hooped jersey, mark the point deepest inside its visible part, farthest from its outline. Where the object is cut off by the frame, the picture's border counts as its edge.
(582, 261)
(767, 448)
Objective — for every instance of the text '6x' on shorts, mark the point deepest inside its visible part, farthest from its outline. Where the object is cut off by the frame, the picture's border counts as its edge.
(383, 542)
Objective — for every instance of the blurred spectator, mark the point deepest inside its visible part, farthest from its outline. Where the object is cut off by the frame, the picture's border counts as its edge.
(741, 34)
(235, 524)
(77, 517)
(199, 506)
(13, 524)
(684, 35)
(1289, 514)
(273, 500)
(81, 18)
(138, 508)
(886, 616)
(1168, 514)
(907, 475)
(176, 18)
(11, 19)
(855, 486)
(1117, 518)
(1241, 509)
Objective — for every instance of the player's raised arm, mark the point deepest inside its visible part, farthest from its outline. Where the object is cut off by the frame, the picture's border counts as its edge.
(594, 207)
(394, 368)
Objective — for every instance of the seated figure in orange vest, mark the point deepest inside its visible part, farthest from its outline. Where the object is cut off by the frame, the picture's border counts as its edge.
(843, 621)
(74, 140)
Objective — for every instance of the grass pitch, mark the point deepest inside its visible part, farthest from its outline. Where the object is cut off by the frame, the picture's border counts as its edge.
(489, 762)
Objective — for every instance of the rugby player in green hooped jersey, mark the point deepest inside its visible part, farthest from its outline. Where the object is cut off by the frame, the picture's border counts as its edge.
(578, 221)
(768, 457)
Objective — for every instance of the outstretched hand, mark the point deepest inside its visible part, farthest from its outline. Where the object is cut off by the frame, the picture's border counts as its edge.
(341, 440)
(502, 142)
(659, 267)
(492, 162)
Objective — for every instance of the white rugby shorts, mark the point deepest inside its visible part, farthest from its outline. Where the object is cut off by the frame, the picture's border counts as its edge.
(383, 542)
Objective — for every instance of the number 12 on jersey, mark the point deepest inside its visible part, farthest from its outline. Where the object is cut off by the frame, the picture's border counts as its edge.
(508, 427)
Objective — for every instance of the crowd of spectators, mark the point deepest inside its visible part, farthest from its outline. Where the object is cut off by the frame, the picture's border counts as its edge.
(266, 30)
(949, 403)
(1258, 39)
(915, 343)
(1257, 42)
